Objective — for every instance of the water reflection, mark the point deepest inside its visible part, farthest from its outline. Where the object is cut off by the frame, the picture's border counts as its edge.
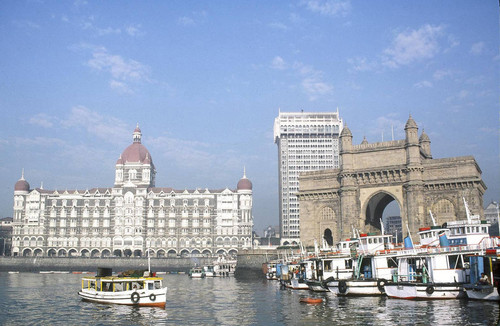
(51, 299)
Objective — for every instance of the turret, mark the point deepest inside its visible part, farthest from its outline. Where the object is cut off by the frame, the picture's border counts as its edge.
(425, 145)
(412, 144)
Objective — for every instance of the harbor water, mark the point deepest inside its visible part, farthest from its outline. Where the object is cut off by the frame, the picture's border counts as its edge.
(51, 299)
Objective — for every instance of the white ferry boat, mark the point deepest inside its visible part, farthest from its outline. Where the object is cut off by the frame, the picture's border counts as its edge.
(368, 273)
(138, 288)
(431, 273)
(196, 272)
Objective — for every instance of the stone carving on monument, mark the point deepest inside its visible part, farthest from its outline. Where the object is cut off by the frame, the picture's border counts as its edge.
(372, 175)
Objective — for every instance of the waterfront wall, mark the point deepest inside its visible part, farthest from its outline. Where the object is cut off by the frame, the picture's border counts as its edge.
(73, 264)
(249, 263)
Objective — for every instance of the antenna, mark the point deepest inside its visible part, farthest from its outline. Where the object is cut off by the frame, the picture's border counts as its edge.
(392, 129)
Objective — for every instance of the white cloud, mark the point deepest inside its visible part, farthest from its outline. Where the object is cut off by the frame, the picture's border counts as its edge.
(122, 70)
(134, 30)
(279, 26)
(441, 74)
(328, 7)
(196, 18)
(477, 48)
(104, 127)
(422, 84)
(26, 24)
(386, 125)
(312, 81)
(278, 63)
(42, 120)
(186, 21)
(361, 64)
(121, 87)
(414, 45)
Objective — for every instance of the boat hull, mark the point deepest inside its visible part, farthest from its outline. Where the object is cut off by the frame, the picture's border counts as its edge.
(481, 292)
(316, 286)
(424, 291)
(297, 285)
(152, 298)
(356, 287)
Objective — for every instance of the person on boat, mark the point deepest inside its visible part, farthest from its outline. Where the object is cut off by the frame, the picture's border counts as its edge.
(484, 280)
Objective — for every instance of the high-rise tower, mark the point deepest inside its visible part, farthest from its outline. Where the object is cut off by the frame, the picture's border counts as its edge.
(306, 142)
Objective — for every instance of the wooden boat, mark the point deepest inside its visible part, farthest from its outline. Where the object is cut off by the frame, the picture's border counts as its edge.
(134, 288)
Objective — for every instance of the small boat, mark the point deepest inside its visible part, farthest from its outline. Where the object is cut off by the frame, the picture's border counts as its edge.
(134, 288)
(196, 272)
(13, 272)
(209, 271)
(311, 300)
(487, 264)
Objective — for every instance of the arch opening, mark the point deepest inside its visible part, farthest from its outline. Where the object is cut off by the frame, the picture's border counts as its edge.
(384, 208)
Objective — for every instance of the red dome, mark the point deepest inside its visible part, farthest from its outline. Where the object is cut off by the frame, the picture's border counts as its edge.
(22, 185)
(136, 152)
(244, 184)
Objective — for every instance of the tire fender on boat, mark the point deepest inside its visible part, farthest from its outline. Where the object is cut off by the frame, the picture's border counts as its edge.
(135, 297)
(152, 297)
(429, 289)
(342, 287)
(380, 285)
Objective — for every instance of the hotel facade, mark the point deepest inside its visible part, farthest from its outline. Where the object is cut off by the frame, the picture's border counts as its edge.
(132, 217)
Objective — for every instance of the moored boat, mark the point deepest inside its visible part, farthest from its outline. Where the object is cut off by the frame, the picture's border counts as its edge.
(135, 288)
(486, 287)
(437, 273)
(196, 272)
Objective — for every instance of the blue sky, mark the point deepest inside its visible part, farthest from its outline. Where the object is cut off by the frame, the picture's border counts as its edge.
(205, 80)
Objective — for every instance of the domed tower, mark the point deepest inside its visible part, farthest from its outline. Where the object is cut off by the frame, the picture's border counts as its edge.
(135, 165)
(22, 187)
(21, 191)
(244, 185)
(346, 149)
(425, 145)
(412, 145)
(244, 191)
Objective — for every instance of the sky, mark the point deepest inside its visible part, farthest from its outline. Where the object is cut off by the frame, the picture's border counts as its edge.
(206, 79)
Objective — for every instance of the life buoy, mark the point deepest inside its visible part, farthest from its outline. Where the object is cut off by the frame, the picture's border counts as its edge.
(152, 297)
(429, 289)
(342, 287)
(380, 285)
(135, 297)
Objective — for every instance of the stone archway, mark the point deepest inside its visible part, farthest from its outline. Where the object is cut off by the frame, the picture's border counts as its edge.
(374, 209)
(371, 175)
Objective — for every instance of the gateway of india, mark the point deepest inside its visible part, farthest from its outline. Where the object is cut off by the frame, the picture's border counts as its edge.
(132, 217)
(370, 176)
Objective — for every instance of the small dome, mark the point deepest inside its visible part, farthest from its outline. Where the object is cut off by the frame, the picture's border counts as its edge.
(22, 185)
(410, 123)
(345, 132)
(244, 183)
(424, 137)
(364, 142)
(136, 152)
